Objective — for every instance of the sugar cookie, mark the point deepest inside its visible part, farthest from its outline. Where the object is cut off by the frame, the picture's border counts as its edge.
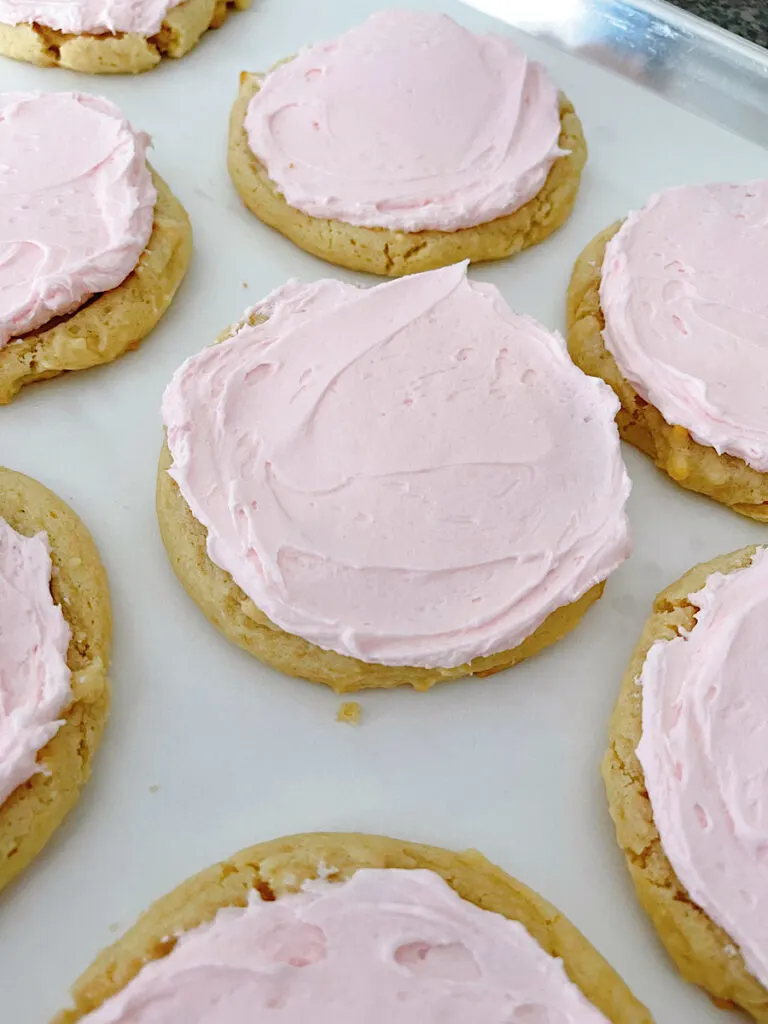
(55, 628)
(296, 922)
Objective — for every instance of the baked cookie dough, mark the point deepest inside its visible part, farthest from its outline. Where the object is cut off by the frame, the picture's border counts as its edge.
(33, 811)
(375, 246)
(372, 596)
(115, 52)
(704, 953)
(272, 870)
(95, 244)
(114, 322)
(727, 478)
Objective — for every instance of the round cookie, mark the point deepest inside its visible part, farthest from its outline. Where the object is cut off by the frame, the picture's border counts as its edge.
(366, 647)
(273, 869)
(697, 467)
(393, 252)
(703, 952)
(33, 811)
(115, 52)
(95, 245)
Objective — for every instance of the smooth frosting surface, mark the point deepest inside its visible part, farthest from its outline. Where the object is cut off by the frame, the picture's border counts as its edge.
(34, 677)
(387, 945)
(686, 312)
(704, 752)
(97, 17)
(410, 474)
(409, 121)
(76, 204)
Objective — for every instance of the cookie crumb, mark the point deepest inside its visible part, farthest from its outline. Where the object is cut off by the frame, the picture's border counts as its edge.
(245, 284)
(154, 788)
(349, 713)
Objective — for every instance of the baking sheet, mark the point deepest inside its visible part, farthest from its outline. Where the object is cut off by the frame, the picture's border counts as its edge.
(207, 751)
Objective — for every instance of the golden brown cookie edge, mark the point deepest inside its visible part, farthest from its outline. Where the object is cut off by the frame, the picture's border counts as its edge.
(396, 253)
(31, 814)
(725, 478)
(704, 954)
(283, 865)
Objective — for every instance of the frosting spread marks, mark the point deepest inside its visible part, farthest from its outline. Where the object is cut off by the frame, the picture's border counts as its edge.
(34, 677)
(76, 204)
(96, 17)
(704, 752)
(410, 474)
(388, 945)
(686, 312)
(409, 122)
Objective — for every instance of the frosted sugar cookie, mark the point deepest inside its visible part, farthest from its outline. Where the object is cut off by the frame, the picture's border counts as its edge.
(391, 485)
(107, 36)
(55, 628)
(687, 776)
(670, 309)
(93, 245)
(302, 927)
(407, 144)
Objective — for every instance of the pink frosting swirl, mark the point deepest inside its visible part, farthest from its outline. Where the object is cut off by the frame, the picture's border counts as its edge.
(76, 204)
(34, 637)
(704, 752)
(388, 945)
(409, 122)
(686, 312)
(97, 17)
(409, 474)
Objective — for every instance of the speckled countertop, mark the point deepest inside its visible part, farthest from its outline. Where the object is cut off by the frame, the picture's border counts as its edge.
(748, 18)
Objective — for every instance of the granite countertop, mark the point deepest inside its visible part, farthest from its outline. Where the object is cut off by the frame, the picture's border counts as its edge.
(748, 18)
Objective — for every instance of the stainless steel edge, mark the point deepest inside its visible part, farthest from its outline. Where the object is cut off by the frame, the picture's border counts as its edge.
(696, 65)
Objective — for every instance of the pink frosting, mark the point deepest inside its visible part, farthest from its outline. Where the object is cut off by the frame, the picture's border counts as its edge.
(97, 17)
(34, 678)
(410, 122)
(704, 752)
(76, 204)
(409, 474)
(686, 312)
(387, 946)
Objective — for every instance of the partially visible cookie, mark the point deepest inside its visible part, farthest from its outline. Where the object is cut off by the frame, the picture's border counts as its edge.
(98, 246)
(707, 398)
(257, 877)
(175, 29)
(704, 951)
(35, 808)
(387, 176)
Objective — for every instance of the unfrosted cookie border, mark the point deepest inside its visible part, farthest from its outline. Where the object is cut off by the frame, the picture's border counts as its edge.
(233, 613)
(283, 865)
(694, 466)
(391, 253)
(35, 809)
(703, 952)
(118, 53)
(113, 322)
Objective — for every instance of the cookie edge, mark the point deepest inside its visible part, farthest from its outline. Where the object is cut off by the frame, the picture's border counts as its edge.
(282, 865)
(693, 466)
(81, 589)
(698, 946)
(390, 253)
(118, 53)
(83, 339)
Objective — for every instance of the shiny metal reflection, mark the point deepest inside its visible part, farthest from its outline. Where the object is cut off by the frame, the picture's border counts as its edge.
(698, 66)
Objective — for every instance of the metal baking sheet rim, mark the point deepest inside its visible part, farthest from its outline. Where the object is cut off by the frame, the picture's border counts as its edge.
(700, 67)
